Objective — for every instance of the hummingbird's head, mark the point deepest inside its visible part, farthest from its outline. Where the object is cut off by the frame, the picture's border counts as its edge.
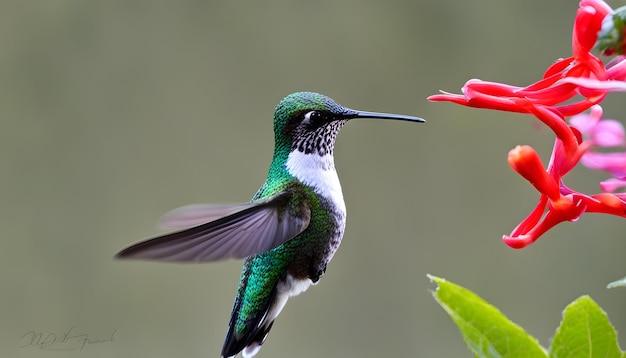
(309, 122)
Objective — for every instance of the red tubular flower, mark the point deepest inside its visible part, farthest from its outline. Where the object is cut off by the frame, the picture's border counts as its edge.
(582, 81)
(566, 209)
(558, 203)
(550, 90)
(607, 203)
(526, 162)
(587, 25)
(561, 205)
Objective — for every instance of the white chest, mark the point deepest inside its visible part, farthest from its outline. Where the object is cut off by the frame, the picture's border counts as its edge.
(319, 173)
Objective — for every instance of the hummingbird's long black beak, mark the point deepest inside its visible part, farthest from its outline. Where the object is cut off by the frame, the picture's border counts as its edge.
(399, 117)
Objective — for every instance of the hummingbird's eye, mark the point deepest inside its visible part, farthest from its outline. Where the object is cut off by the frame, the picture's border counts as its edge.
(315, 118)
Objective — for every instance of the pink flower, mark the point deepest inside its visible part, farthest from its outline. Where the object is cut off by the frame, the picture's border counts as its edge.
(603, 133)
(613, 184)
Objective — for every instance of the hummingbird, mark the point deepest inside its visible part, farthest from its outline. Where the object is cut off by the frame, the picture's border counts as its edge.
(286, 234)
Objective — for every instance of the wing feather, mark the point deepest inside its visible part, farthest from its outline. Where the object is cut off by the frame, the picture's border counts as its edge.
(197, 214)
(241, 230)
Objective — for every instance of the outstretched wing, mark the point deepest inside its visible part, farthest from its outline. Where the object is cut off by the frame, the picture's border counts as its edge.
(242, 230)
(197, 214)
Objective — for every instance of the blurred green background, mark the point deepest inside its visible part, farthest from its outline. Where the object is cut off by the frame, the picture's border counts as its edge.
(115, 112)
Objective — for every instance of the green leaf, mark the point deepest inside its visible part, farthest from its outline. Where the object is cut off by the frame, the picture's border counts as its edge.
(487, 332)
(585, 332)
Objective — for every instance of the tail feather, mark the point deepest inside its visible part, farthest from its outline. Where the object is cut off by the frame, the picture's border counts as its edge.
(253, 348)
(255, 331)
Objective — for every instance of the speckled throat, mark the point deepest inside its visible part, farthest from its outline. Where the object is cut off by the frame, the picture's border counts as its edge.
(319, 141)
